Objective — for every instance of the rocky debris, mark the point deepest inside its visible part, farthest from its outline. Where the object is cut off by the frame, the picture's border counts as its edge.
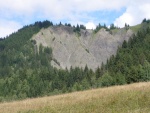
(80, 49)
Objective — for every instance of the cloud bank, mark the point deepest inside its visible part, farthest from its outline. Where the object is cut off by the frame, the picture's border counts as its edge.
(16, 13)
(135, 12)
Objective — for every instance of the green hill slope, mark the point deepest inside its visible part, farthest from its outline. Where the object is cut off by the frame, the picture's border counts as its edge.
(26, 71)
(132, 61)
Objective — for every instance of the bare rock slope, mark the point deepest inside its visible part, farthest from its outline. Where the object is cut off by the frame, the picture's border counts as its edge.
(81, 49)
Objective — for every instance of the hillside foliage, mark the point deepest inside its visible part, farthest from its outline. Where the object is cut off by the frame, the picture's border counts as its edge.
(26, 71)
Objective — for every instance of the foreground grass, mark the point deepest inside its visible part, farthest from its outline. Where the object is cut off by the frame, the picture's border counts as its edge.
(134, 98)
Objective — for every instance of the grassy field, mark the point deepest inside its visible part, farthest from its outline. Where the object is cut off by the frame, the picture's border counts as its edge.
(134, 98)
(135, 28)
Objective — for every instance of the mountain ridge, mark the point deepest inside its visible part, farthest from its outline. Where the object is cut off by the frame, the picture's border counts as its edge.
(25, 64)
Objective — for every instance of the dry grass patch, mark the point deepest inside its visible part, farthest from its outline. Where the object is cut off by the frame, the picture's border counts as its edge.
(134, 98)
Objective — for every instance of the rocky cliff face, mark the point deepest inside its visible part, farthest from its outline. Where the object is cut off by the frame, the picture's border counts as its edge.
(81, 49)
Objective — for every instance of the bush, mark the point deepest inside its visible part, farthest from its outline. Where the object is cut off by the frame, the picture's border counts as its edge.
(119, 79)
(105, 80)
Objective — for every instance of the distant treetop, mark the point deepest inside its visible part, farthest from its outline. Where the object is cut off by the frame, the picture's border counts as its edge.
(146, 21)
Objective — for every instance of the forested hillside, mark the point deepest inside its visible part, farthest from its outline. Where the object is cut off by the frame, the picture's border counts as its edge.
(132, 61)
(26, 71)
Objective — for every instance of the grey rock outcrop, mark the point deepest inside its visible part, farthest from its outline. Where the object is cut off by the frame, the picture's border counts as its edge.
(81, 49)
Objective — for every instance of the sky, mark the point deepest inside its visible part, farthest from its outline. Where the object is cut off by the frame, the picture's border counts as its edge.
(14, 14)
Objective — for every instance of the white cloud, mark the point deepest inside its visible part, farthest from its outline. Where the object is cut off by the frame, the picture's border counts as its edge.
(74, 11)
(8, 27)
(135, 13)
(90, 25)
(58, 9)
(125, 18)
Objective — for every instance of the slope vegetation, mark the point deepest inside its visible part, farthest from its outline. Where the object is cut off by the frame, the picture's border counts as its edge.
(26, 69)
(132, 98)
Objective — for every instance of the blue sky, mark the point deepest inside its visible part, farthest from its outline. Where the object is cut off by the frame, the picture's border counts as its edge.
(14, 14)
